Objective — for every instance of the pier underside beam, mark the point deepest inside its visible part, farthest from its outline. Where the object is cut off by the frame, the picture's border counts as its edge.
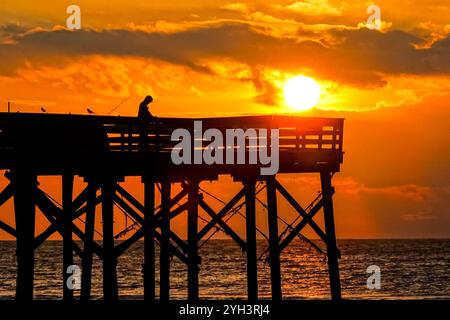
(332, 251)
(274, 250)
(164, 263)
(252, 262)
(67, 193)
(110, 290)
(193, 257)
(89, 227)
(149, 239)
(24, 207)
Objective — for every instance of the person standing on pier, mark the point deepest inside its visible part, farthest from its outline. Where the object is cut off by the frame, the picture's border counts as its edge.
(144, 112)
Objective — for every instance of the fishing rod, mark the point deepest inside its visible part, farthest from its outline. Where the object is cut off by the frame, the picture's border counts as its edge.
(122, 102)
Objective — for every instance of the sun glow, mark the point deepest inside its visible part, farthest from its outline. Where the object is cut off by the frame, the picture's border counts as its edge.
(301, 93)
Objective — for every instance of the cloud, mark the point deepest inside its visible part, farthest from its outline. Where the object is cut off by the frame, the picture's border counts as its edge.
(266, 91)
(108, 77)
(34, 103)
(312, 7)
(196, 91)
(10, 30)
(359, 57)
(412, 192)
(419, 215)
(351, 186)
(235, 7)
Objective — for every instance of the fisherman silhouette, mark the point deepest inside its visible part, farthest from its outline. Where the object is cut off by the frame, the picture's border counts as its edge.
(144, 112)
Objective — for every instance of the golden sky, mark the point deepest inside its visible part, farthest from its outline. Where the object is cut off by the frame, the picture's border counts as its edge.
(232, 57)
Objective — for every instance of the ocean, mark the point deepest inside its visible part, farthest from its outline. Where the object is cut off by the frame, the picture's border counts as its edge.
(410, 269)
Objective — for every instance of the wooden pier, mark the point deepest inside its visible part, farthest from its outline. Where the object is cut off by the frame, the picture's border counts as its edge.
(103, 150)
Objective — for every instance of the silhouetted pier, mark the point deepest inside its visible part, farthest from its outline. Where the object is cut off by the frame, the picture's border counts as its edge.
(103, 150)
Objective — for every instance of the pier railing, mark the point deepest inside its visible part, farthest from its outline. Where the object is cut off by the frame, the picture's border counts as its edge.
(305, 144)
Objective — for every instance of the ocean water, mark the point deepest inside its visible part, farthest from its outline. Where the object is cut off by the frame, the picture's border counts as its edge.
(410, 269)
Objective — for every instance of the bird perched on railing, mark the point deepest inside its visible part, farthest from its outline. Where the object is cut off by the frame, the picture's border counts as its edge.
(43, 110)
(90, 111)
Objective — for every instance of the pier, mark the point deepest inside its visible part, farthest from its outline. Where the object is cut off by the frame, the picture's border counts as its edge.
(104, 150)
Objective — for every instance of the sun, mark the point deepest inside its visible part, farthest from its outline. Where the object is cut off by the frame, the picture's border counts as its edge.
(301, 93)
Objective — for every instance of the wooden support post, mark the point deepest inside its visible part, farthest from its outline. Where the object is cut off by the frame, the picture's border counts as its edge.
(274, 250)
(67, 193)
(332, 251)
(164, 272)
(24, 207)
(149, 240)
(193, 258)
(252, 263)
(89, 225)
(110, 290)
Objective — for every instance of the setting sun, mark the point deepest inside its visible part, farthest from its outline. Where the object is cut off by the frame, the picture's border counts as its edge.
(301, 93)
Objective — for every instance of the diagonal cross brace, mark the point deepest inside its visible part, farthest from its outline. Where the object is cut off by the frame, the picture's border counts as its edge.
(6, 193)
(141, 207)
(53, 227)
(307, 218)
(54, 214)
(140, 233)
(221, 214)
(7, 228)
(223, 224)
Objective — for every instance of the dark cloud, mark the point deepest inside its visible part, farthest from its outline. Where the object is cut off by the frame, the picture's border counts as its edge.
(358, 57)
(12, 29)
(266, 91)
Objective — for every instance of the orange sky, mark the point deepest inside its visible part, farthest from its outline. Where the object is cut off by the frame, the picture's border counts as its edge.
(231, 58)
